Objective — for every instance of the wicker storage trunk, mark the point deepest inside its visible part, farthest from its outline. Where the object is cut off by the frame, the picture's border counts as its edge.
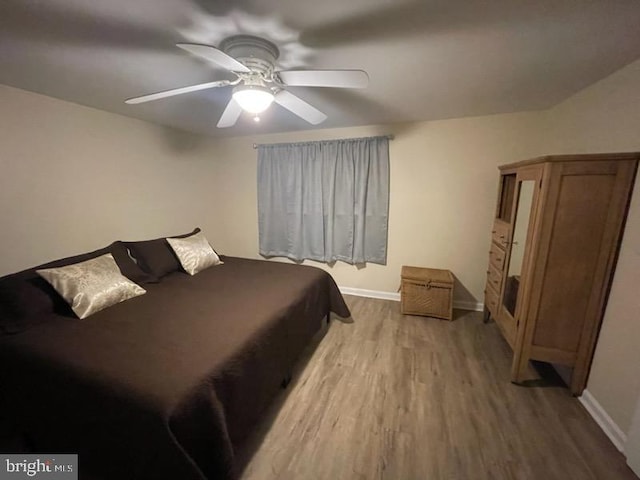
(427, 292)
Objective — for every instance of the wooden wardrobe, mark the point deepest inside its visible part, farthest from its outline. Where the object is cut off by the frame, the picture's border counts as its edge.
(554, 244)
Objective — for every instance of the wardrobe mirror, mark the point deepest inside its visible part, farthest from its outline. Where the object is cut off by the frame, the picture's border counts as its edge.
(518, 240)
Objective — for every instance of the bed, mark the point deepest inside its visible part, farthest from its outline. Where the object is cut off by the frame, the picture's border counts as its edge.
(168, 384)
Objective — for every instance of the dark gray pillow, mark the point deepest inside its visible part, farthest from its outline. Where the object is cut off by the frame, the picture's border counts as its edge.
(127, 265)
(156, 256)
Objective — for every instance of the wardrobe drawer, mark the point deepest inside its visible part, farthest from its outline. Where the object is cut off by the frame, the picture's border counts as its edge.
(494, 278)
(496, 256)
(491, 300)
(500, 233)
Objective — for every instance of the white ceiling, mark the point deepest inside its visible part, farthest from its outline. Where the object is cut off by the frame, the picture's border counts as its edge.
(426, 59)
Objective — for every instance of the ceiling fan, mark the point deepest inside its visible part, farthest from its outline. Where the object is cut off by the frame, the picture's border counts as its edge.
(258, 83)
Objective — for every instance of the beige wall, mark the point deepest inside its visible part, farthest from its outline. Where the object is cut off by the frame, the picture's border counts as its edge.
(74, 179)
(443, 188)
(606, 117)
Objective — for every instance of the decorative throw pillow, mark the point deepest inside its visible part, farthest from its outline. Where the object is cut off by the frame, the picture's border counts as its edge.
(25, 295)
(194, 252)
(128, 267)
(91, 286)
(155, 256)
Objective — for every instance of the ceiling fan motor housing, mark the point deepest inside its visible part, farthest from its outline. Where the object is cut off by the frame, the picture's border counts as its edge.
(258, 54)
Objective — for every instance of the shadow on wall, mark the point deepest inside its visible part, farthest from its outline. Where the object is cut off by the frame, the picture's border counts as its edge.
(180, 141)
(358, 266)
(461, 294)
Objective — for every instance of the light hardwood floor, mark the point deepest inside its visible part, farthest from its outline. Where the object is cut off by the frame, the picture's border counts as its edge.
(411, 398)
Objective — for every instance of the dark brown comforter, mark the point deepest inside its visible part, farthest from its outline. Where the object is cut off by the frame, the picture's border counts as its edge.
(166, 385)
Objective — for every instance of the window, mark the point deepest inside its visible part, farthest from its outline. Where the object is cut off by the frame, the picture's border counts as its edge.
(324, 201)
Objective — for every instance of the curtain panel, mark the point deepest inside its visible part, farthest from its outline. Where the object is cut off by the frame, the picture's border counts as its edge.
(324, 201)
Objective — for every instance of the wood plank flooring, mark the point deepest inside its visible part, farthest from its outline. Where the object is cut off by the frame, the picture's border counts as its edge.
(402, 398)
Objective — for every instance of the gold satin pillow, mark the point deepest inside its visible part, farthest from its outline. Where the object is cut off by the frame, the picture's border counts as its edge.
(91, 286)
(194, 252)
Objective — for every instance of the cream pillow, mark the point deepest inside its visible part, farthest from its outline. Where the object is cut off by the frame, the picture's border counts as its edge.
(91, 286)
(194, 252)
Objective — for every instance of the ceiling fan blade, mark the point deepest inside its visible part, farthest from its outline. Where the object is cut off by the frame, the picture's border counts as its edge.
(325, 78)
(177, 91)
(215, 55)
(301, 108)
(230, 115)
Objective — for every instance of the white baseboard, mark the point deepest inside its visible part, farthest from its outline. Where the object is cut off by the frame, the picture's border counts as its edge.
(361, 292)
(395, 296)
(473, 306)
(602, 418)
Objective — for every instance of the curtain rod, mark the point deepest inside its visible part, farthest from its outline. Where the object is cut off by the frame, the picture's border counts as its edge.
(389, 137)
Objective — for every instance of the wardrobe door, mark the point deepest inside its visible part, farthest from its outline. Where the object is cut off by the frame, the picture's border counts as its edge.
(579, 235)
(519, 254)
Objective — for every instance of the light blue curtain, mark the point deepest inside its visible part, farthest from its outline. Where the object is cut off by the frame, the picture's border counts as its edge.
(324, 201)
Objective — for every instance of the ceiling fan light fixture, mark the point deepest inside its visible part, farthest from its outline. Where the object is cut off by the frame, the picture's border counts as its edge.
(253, 98)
